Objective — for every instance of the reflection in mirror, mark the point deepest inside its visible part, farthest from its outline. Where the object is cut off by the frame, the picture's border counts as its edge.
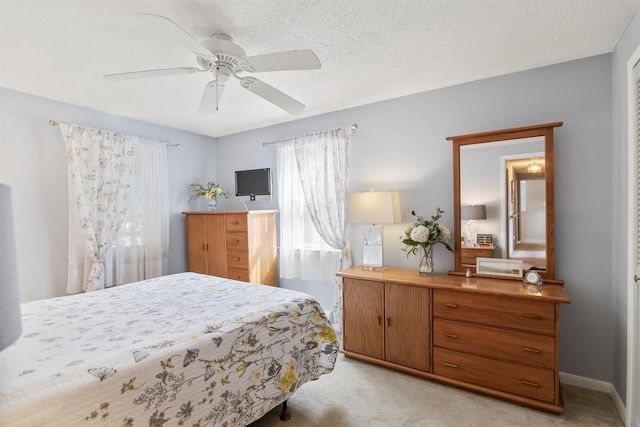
(526, 202)
(494, 175)
(510, 172)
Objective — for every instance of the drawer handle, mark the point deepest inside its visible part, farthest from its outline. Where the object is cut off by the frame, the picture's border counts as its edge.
(446, 334)
(447, 304)
(379, 321)
(236, 259)
(530, 316)
(530, 383)
(451, 365)
(531, 350)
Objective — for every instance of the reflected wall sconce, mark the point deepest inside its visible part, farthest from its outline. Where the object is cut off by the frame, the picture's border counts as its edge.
(472, 213)
(373, 207)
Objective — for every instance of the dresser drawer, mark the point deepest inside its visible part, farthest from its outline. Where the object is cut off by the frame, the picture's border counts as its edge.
(525, 314)
(237, 240)
(521, 347)
(237, 258)
(238, 274)
(236, 222)
(522, 380)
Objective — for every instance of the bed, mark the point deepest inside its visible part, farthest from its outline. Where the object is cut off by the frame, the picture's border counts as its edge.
(184, 349)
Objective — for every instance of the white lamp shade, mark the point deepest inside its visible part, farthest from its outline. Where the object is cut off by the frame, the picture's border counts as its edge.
(10, 321)
(373, 207)
(473, 212)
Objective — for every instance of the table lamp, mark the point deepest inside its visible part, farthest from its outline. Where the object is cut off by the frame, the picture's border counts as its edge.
(373, 207)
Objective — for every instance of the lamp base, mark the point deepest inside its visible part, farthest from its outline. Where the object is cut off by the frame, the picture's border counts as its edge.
(372, 268)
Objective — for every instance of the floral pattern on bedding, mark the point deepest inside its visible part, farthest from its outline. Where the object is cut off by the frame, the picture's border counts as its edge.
(185, 349)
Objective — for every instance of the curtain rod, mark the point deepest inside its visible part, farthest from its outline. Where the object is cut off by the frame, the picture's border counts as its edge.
(152, 141)
(354, 127)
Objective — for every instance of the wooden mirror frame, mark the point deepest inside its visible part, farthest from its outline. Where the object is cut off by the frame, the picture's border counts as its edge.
(544, 130)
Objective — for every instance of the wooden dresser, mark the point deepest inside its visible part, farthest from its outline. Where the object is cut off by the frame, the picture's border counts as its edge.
(239, 245)
(492, 336)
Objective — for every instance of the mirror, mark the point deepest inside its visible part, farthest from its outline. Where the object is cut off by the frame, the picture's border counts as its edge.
(508, 176)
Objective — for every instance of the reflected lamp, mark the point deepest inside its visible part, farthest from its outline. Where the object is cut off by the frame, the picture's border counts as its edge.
(472, 213)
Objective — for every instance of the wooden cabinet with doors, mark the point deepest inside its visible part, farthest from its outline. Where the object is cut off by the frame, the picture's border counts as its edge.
(239, 245)
(493, 336)
(386, 321)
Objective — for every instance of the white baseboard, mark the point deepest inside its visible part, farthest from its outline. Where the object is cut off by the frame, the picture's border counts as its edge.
(596, 385)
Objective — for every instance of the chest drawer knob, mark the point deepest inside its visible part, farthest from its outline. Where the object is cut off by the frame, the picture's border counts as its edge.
(529, 383)
(531, 350)
(446, 334)
(450, 305)
(451, 365)
(531, 316)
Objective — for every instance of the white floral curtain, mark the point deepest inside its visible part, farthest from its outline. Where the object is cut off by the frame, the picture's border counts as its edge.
(319, 179)
(101, 166)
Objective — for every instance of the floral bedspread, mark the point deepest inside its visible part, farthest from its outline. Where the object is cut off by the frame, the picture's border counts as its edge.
(185, 349)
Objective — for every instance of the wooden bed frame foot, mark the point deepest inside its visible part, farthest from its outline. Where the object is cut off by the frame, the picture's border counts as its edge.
(284, 415)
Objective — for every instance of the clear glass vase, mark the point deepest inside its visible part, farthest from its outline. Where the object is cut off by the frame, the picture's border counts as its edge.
(212, 204)
(426, 259)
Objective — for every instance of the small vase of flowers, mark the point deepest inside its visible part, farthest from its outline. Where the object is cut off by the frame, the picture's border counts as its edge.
(420, 236)
(212, 191)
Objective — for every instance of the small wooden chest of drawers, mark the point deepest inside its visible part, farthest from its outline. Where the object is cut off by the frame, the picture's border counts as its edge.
(469, 254)
(239, 245)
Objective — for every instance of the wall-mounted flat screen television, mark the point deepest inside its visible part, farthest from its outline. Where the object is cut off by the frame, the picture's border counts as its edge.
(254, 184)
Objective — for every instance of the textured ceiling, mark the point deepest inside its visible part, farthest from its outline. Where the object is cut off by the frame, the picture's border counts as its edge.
(370, 50)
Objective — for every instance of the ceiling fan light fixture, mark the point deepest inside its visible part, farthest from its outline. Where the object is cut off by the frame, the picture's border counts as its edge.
(223, 58)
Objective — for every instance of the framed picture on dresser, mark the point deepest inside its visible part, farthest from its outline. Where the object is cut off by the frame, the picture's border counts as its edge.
(499, 267)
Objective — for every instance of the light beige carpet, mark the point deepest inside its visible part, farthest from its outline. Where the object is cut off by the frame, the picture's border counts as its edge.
(358, 394)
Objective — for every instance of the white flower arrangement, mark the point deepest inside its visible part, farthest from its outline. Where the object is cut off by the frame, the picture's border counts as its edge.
(425, 233)
(211, 191)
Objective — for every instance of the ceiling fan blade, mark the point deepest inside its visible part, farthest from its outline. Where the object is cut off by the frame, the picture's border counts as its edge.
(211, 97)
(151, 73)
(174, 31)
(280, 61)
(272, 95)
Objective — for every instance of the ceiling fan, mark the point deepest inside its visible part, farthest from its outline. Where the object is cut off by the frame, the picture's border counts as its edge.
(220, 56)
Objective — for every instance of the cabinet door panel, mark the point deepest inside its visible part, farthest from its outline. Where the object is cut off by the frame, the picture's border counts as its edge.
(363, 311)
(196, 244)
(216, 246)
(407, 325)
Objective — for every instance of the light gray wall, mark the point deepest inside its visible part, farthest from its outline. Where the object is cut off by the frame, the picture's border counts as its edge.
(620, 280)
(400, 145)
(33, 162)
